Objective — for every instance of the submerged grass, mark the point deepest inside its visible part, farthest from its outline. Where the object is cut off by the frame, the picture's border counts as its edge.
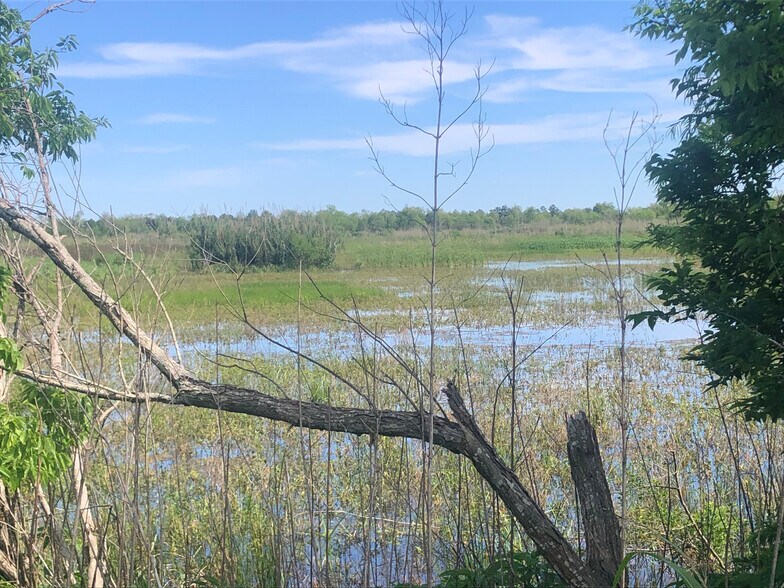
(273, 464)
(299, 498)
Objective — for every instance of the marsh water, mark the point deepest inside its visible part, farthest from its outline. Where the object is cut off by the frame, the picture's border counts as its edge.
(574, 307)
(328, 505)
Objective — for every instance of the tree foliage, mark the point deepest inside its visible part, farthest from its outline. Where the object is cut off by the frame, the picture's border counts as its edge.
(29, 86)
(521, 569)
(501, 219)
(721, 182)
(754, 568)
(38, 431)
(40, 426)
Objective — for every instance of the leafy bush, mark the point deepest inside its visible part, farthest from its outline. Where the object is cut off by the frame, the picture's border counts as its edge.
(754, 569)
(263, 240)
(523, 569)
(38, 431)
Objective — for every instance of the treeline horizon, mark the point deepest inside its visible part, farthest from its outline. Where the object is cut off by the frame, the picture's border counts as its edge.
(501, 218)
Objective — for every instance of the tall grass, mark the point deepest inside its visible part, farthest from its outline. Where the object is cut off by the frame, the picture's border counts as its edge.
(175, 510)
(467, 249)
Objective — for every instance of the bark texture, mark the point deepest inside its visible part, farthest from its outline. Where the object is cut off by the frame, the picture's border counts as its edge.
(553, 545)
(602, 531)
(9, 557)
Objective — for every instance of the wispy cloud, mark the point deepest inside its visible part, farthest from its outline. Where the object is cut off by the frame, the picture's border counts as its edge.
(567, 127)
(361, 59)
(591, 82)
(315, 145)
(516, 87)
(576, 59)
(511, 90)
(132, 59)
(355, 59)
(159, 118)
(400, 81)
(129, 60)
(230, 176)
(532, 46)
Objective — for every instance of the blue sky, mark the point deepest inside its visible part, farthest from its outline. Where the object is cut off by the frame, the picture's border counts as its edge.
(232, 106)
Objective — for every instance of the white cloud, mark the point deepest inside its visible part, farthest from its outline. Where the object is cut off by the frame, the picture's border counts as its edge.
(510, 91)
(504, 25)
(535, 47)
(556, 128)
(400, 81)
(171, 53)
(577, 59)
(131, 59)
(612, 82)
(158, 118)
(128, 60)
(579, 48)
(360, 59)
(517, 88)
(552, 129)
(231, 176)
(103, 70)
(356, 59)
(314, 145)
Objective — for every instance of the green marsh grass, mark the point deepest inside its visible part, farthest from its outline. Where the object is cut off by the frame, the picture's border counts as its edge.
(259, 292)
(373, 272)
(472, 249)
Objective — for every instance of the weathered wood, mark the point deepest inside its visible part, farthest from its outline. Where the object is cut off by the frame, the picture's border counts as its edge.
(8, 571)
(602, 531)
(553, 545)
(120, 318)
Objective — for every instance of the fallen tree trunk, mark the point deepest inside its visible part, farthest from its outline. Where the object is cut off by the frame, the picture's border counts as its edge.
(462, 437)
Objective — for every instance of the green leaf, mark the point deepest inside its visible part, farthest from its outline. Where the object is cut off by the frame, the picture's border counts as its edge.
(721, 179)
(687, 578)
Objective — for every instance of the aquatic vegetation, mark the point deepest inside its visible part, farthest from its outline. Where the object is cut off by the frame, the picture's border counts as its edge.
(307, 505)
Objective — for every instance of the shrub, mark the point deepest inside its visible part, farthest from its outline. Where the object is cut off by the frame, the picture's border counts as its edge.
(263, 240)
(525, 569)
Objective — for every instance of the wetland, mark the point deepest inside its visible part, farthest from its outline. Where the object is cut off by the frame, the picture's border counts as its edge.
(312, 507)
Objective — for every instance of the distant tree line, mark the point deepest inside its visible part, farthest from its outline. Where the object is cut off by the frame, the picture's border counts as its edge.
(288, 238)
(500, 218)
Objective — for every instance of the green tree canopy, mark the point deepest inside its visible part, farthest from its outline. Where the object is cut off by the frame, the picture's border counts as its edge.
(721, 181)
(34, 106)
